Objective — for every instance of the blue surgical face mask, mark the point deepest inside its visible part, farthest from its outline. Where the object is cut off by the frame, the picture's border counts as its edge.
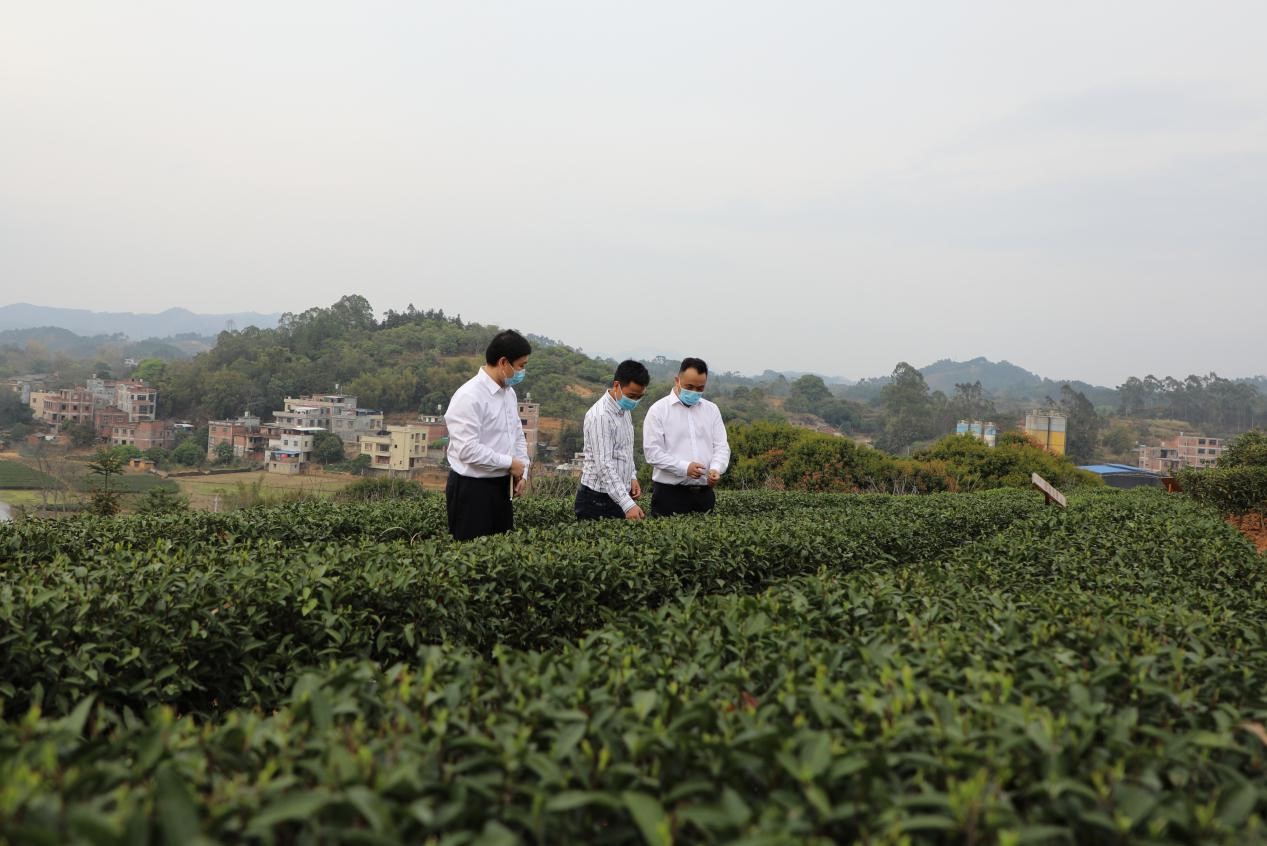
(689, 398)
(628, 404)
(516, 378)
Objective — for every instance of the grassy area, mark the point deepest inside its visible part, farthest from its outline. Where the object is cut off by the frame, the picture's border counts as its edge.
(18, 476)
(218, 493)
(129, 483)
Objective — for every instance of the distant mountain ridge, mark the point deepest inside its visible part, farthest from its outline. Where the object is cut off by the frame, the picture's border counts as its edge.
(1000, 379)
(173, 321)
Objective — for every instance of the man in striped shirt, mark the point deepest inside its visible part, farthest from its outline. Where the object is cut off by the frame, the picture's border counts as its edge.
(609, 483)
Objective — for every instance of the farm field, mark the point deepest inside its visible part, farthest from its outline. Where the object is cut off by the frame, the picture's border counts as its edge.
(797, 668)
(208, 493)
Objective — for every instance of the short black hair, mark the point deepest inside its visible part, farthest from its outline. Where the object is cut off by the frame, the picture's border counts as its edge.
(696, 364)
(632, 371)
(507, 344)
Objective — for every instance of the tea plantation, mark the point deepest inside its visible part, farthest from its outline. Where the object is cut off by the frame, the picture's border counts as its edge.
(797, 668)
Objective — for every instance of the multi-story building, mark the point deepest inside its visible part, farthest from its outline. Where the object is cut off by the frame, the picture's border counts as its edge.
(106, 419)
(1048, 427)
(140, 402)
(290, 448)
(244, 434)
(135, 399)
(24, 386)
(144, 434)
(333, 412)
(69, 405)
(397, 450)
(529, 418)
(1181, 451)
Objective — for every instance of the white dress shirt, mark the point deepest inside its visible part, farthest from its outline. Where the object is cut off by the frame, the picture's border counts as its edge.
(675, 434)
(609, 453)
(485, 434)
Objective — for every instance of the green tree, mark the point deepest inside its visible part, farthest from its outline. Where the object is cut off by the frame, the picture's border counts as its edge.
(150, 371)
(13, 411)
(1119, 440)
(162, 501)
(908, 408)
(105, 466)
(327, 448)
(807, 395)
(1248, 449)
(188, 453)
(81, 434)
(1083, 425)
(224, 453)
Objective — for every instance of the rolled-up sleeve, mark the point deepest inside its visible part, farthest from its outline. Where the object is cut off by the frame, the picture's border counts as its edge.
(721, 445)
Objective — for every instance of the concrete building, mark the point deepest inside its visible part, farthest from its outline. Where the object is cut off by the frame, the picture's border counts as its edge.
(105, 419)
(135, 399)
(290, 448)
(984, 431)
(1181, 451)
(397, 450)
(1048, 427)
(69, 405)
(24, 386)
(529, 418)
(333, 412)
(144, 434)
(244, 434)
(138, 401)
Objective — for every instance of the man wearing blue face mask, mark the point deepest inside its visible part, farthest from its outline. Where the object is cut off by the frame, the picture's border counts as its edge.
(488, 454)
(684, 440)
(609, 483)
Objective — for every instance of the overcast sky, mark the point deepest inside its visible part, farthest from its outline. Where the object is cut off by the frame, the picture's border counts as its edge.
(1080, 188)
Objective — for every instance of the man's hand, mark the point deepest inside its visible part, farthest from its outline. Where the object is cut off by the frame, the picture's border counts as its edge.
(634, 513)
(517, 467)
(713, 478)
(635, 489)
(696, 470)
(520, 484)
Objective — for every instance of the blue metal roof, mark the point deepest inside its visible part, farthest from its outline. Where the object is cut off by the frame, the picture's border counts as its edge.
(1111, 469)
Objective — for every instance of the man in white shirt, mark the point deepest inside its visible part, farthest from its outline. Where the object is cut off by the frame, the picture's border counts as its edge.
(684, 440)
(488, 454)
(609, 483)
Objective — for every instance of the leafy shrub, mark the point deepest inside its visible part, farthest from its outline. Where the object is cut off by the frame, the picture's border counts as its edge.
(380, 489)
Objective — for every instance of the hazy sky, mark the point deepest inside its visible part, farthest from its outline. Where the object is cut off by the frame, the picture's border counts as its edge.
(1080, 188)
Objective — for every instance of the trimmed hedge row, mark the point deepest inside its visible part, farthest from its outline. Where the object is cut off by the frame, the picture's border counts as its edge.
(1089, 676)
(315, 521)
(203, 627)
(1232, 490)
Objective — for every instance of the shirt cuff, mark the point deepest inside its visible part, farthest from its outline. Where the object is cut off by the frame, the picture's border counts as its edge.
(683, 468)
(626, 502)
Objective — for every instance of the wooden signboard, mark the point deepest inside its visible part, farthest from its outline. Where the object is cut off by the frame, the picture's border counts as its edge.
(1050, 492)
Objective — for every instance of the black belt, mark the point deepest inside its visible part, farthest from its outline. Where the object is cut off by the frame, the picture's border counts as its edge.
(685, 487)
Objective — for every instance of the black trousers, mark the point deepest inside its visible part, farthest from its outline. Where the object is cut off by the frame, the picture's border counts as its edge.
(667, 500)
(478, 507)
(595, 505)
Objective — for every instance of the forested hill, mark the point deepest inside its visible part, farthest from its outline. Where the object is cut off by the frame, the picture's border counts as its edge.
(409, 361)
(1003, 381)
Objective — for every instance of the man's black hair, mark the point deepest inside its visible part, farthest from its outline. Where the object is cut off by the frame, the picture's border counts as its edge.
(507, 344)
(696, 364)
(631, 371)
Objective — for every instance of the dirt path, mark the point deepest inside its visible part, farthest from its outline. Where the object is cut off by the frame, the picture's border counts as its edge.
(1252, 527)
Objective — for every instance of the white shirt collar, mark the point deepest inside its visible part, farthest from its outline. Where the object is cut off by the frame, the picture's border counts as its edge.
(490, 384)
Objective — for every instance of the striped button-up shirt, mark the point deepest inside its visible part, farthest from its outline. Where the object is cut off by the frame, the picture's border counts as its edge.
(609, 456)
